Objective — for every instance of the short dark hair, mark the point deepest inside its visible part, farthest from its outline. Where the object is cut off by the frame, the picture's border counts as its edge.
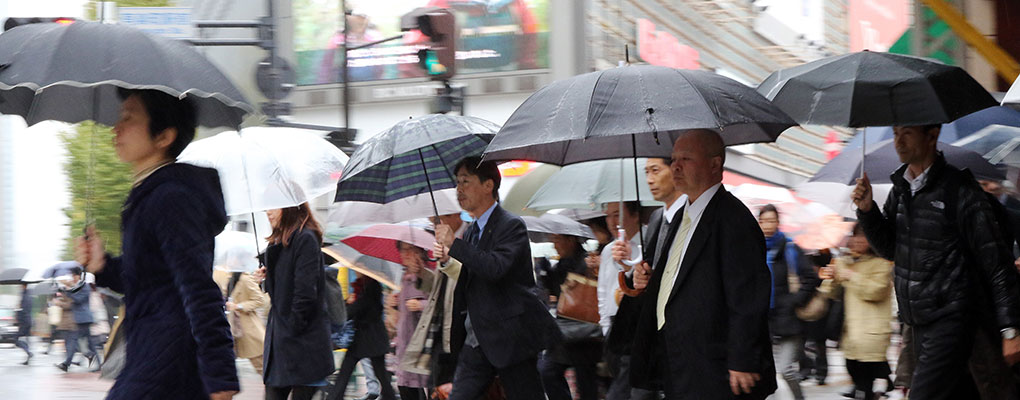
(484, 170)
(632, 207)
(768, 208)
(166, 111)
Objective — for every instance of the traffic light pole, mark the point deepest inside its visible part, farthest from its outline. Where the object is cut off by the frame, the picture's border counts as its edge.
(346, 75)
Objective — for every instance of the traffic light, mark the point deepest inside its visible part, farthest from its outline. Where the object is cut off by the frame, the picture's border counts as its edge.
(12, 23)
(439, 60)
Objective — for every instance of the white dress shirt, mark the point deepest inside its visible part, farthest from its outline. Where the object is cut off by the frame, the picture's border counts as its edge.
(694, 212)
(668, 213)
(916, 183)
(609, 283)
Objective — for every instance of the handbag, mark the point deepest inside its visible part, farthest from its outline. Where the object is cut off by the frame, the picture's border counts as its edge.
(578, 331)
(235, 325)
(579, 299)
(494, 392)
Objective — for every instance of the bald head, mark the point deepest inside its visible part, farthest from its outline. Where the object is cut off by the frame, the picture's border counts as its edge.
(698, 157)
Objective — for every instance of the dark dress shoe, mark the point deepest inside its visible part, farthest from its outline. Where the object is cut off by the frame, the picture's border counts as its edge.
(62, 366)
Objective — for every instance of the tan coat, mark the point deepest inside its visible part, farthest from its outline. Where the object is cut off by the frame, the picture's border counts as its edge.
(867, 302)
(249, 298)
(414, 361)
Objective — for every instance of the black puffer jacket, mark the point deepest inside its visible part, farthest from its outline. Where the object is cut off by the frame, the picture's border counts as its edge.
(946, 263)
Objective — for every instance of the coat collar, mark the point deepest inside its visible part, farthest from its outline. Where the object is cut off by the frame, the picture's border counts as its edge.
(701, 233)
(935, 173)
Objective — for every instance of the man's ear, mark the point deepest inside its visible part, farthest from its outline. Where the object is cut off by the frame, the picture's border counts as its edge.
(489, 184)
(166, 138)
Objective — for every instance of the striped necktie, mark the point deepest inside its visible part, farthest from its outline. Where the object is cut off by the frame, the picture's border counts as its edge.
(672, 266)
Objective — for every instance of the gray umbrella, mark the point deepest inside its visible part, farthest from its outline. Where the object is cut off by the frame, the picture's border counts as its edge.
(997, 143)
(883, 160)
(71, 73)
(633, 111)
(540, 228)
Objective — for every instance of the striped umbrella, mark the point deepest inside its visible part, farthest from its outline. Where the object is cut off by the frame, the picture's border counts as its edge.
(413, 157)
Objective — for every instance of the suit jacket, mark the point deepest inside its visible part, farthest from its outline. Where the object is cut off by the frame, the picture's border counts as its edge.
(370, 336)
(80, 304)
(495, 288)
(716, 314)
(297, 346)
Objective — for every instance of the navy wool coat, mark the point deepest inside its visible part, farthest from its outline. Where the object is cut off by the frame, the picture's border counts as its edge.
(178, 342)
(298, 351)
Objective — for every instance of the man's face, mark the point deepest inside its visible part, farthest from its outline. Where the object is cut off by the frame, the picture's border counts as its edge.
(769, 223)
(564, 245)
(660, 179)
(472, 194)
(613, 217)
(131, 139)
(693, 168)
(913, 143)
(992, 187)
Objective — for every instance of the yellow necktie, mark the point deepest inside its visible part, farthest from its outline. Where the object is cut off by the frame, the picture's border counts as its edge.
(672, 266)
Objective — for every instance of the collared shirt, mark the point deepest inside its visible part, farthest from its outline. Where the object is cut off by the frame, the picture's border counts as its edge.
(694, 212)
(484, 219)
(916, 183)
(609, 283)
(668, 213)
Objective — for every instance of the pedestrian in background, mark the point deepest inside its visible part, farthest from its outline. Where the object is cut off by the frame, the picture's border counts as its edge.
(82, 316)
(244, 299)
(794, 283)
(298, 353)
(24, 320)
(866, 281)
(410, 304)
(365, 309)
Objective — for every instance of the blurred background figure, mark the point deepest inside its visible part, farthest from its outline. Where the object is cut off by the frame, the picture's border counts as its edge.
(365, 309)
(81, 316)
(410, 304)
(244, 299)
(866, 281)
(24, 321)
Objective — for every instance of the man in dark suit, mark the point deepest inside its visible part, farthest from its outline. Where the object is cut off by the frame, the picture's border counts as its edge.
(504, 325)
(703, 326)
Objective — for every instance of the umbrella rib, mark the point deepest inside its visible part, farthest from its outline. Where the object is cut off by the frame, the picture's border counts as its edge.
(715, 112)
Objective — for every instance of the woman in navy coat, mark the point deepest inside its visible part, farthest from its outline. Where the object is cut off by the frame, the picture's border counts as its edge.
(298, 355)
(178, 343)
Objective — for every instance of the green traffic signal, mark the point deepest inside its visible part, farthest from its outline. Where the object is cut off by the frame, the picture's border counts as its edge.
(429, 61)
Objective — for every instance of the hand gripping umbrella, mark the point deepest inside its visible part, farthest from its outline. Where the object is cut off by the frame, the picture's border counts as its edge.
(631, 112)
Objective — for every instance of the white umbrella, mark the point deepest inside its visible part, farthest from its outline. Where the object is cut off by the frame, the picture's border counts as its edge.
(589, 185)
(237, 251)
(263, 168)
(347, 213)
(1012, 97)
(836, 195)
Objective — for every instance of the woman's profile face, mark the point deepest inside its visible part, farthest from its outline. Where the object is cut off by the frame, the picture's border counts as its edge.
(274, 217)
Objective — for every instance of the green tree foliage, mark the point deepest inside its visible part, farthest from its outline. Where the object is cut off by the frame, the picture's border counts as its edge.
(90, 152)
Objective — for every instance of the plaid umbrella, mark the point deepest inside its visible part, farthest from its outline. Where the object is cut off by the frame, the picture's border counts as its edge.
(413, 157)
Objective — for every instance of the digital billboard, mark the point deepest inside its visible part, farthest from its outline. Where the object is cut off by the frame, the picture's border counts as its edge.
(495, 35)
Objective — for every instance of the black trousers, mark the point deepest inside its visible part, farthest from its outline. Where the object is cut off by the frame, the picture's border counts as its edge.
(411, 393)
(336, 391)
(864, 374)
(555, 382)
(816, 363)
(942, 350)
(475, 373)
(295, 392)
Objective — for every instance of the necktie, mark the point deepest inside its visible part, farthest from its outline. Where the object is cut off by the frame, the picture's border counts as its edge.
(472, 234)
(672, 266)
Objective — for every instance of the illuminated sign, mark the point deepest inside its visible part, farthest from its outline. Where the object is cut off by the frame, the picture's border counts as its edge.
(877, 24)
(516, 168)
(664, 49)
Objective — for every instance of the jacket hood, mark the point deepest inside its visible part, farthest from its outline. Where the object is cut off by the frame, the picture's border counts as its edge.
(203, 183)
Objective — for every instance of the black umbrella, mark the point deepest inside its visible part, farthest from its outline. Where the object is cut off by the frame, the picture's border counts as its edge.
(12, 276)
(606, 114)
(883, 160)
(71, 73)
(413, 157)
(875, 89)
(633, 111)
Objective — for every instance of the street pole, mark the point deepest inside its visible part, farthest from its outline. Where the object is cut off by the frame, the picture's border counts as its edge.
(346, 77)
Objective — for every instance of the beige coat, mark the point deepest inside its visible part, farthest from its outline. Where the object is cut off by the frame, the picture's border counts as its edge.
(414, 361)
(867, 302)
(249, 298)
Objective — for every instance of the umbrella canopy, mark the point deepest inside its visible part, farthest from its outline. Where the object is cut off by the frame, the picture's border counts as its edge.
(591, 184)
(71, 73)
(998, 144)
(875, 89)
(386, 272)
(237, 251)
(348, 213)
(607, 114)
(13, 276)
(62, 268)
(265, 168)
(541, 228)
(380, 240)
(524, 189)
(392, 165)
(1012, 97)
(579, 214)
(883, 160)
(950, 132)
(836, 195)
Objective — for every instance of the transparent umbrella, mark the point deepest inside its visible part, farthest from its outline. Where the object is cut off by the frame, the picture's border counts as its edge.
(237, 251)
